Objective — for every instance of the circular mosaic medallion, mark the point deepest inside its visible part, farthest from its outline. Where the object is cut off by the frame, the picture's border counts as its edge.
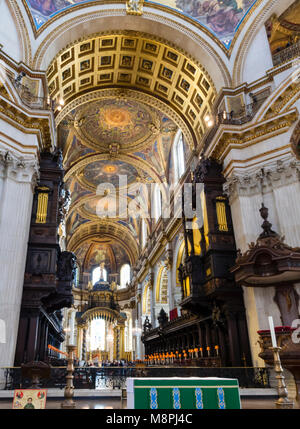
(127, 124)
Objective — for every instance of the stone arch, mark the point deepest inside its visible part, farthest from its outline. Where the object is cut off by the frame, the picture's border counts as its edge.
(200, 43)
(19, 18)
(161, 290)
(105, 228)
(259, 17)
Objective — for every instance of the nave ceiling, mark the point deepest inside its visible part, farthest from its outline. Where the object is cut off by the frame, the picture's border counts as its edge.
(111, 126)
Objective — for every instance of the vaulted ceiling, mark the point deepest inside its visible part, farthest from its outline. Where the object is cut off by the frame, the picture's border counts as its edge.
(125, 96)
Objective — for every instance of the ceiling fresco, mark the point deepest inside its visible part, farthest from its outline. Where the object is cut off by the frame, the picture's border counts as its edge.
(124, 123)
(94, 252)
(101, 172)
(74, 151)
(221, 17)
(87, 167)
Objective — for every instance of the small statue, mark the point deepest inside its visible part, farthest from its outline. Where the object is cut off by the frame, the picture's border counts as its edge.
(216, 314)
(162, 318)
(66, 266)
(147, 325)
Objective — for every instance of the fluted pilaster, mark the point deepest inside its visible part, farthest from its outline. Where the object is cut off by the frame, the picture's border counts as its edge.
(17, 178)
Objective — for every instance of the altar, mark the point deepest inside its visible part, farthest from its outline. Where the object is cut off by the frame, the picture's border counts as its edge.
(183, 393)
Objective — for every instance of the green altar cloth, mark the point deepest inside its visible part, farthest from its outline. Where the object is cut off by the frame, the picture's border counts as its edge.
(183, 393)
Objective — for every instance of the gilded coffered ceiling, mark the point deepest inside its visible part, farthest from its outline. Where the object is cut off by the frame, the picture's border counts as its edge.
(125, 95)
(133, 61)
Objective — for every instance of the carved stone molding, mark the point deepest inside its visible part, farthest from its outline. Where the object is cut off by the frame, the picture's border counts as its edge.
(283, 173)
(22, 170)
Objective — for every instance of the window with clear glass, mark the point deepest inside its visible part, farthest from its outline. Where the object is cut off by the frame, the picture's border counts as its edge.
(99, 273)
(144, 233)
(156, 199)
(178, 156)
(97, 334)
(124, 275)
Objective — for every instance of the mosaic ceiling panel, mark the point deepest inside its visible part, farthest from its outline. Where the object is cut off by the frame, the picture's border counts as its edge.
(93, 252)
(82, 179)
(101, 172)
(221, 17)
(127, 124)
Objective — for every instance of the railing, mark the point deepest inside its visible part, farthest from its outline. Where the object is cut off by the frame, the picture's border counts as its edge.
(115, 377)
(244, 115)
(30, 100)
(287, 54)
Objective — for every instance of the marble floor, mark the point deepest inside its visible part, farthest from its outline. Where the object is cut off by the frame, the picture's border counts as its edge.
(115, 403)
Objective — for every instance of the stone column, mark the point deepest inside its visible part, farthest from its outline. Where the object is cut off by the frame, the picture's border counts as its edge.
(122, 342)
(17, 177)
(139, 328)
(79, 342)
(169, 267)
(116, 342)
(152, 295)
(246, 193)
(285, 179)
(139, 346)
(72, 327)
(84, 357)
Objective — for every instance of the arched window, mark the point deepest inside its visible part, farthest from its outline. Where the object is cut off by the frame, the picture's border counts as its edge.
(178, 156)
(144, 233)
(124, 275)
(77, 275)
(97, 334)
(97, 273)
(156, 201)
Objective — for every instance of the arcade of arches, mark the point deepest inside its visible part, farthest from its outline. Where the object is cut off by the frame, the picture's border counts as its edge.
(107, 109)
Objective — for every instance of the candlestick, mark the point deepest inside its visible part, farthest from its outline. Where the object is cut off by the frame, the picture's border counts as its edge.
(283, 401)
(272, 330)
(69, 389)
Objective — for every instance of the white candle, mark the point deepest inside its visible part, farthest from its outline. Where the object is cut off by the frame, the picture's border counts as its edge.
(272, 330)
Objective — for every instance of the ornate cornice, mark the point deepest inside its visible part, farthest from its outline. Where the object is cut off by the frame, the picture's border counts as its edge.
(239, 137)
(19, 169)
(23, 120)
(282, 173)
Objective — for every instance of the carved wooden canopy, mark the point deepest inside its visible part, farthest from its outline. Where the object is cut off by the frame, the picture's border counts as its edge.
(269, 261)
